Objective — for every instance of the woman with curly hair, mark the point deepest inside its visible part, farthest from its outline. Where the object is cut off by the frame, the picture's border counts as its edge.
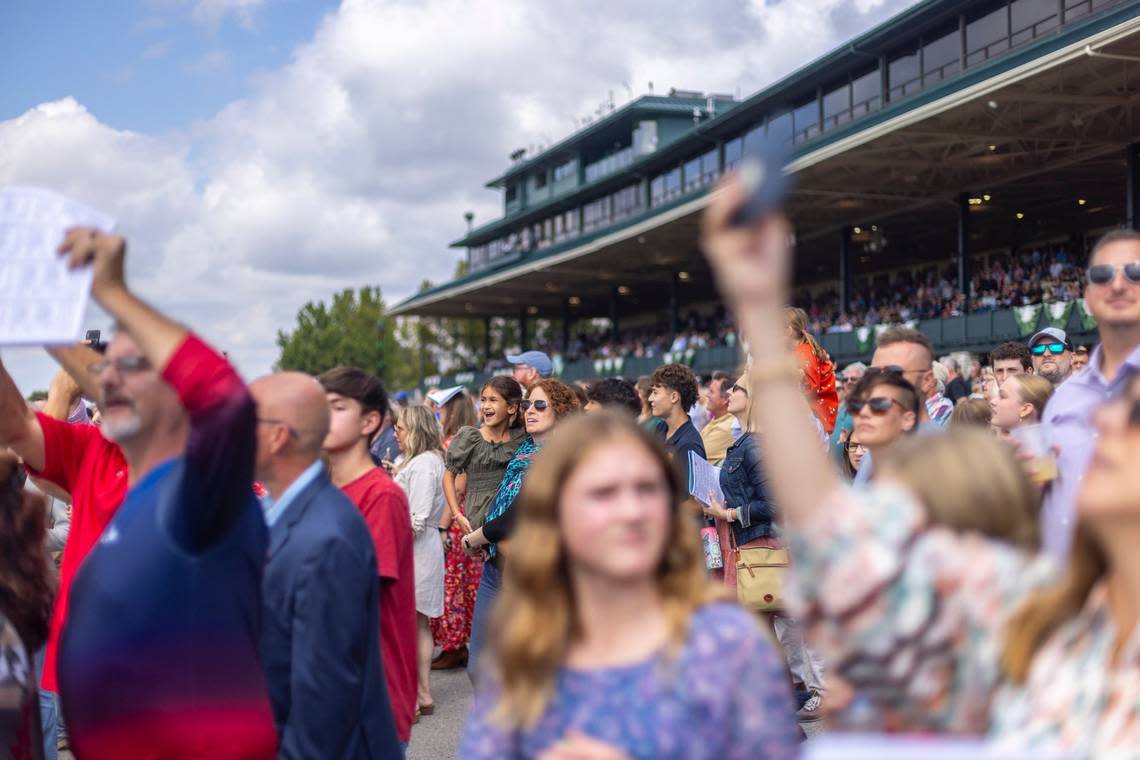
(547, 401)
(608, 639)
(26, 595)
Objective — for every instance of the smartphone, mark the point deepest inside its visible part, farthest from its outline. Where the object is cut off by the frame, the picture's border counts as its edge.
(761, 169)
(93, 340)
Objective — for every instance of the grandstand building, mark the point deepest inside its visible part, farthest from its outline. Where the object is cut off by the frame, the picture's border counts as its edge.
(955, 132)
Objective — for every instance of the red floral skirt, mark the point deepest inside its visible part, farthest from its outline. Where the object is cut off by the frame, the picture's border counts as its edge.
(460, 582)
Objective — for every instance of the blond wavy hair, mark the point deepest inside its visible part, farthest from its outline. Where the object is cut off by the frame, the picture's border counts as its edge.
(421, 432)
(536, 618)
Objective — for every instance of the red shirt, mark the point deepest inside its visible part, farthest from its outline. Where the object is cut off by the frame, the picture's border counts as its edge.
(386, 512)
(93, 470)
(819, 385)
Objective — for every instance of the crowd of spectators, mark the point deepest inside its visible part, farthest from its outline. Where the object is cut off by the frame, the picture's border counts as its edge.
(1003, 281)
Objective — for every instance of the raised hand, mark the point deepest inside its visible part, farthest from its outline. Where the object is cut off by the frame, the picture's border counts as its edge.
(105, 253)
(752, 265)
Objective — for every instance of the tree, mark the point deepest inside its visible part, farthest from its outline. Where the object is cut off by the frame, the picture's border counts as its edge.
(37, 396)
(355, 331)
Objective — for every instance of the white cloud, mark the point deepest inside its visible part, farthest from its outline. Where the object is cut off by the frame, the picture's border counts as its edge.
(353, 164)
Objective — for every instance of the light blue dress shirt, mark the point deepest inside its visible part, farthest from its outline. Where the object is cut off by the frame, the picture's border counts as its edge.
(1069, 416)
(274, 508)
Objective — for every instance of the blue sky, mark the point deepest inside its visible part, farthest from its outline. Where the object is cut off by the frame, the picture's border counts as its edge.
(148, 66)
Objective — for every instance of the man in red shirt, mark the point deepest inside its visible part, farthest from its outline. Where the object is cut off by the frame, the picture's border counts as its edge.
(357, 403)
(85, 462)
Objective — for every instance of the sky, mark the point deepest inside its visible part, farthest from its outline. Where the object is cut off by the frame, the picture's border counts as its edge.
(260, 154)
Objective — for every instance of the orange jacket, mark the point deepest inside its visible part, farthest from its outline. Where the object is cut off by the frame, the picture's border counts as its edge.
(819, 385)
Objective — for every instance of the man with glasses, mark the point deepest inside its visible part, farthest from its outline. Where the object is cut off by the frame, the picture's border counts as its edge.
(321, 610)
(850, 376)
(1052, 355)
(885, 407)
(160, 653)
(910, 353)
(1112, 292)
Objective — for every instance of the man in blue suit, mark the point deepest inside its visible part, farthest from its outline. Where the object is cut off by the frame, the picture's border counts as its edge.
(320, 639)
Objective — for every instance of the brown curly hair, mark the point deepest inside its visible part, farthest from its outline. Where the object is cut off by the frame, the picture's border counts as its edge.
(27, 591)
(679, 378)
(562, 397)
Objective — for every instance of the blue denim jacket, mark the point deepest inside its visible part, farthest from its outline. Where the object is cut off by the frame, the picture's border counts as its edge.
(745, 488)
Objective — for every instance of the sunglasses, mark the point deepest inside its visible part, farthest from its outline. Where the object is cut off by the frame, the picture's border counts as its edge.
(124, 365)
(737, 387)
(1102, 274)
(1054, 348)
(879, 405)
(539, 405)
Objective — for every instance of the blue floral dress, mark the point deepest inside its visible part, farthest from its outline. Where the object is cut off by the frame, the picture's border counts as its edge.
(725, 696)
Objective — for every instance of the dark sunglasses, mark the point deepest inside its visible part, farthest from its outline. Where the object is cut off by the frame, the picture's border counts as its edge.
(124, 365)
(737, 387)
(1102, 274)
(1054, 348)
(539, 405)
(879, 405)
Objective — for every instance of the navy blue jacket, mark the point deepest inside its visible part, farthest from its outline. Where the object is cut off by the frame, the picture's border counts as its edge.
(745, 489)
(320, 635)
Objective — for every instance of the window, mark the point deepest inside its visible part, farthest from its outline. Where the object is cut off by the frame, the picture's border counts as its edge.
(673, 184)
(805, 120)
(609, 164)
(837, 106)
(540, 180)
(568, 169)
(627, 202)
(733, 150)
(512, 193)
(903, 74)
(754, 138)
(779, 129)
(596, 214)
(866, 93)
(1029, 19)
(657, 190)
(710, 167)
(1075, 9)
(941, 56)
(692, 175)
(987, 35)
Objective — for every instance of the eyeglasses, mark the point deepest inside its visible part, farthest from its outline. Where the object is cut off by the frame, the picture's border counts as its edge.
(271, 421)
(539, 405)
(1102, 274)
(879, 405)
(851, 380)
(855, 446)
(894, 369)
(737, 387)
(1054, 348)
(124, 365)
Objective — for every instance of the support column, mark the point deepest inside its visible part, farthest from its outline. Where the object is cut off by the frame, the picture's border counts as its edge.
(964, 273)
(486, 339)
(674, 305)
(1132, 185)
(846, 275)
(522, 329)
(566, 326)
(615, 330)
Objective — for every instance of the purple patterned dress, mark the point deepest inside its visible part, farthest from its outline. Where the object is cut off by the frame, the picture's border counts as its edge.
(725, 697)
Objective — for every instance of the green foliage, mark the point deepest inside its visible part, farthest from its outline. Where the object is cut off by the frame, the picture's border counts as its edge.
(37, 396)
(355, 331)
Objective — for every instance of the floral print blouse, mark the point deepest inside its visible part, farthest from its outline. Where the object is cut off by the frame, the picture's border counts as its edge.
(913, 616)
(724, 697)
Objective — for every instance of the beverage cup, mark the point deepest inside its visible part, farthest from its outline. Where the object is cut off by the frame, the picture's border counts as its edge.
(1036, 447)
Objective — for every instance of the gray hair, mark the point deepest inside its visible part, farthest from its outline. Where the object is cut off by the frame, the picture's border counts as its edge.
(949, 362)
(857, 366)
